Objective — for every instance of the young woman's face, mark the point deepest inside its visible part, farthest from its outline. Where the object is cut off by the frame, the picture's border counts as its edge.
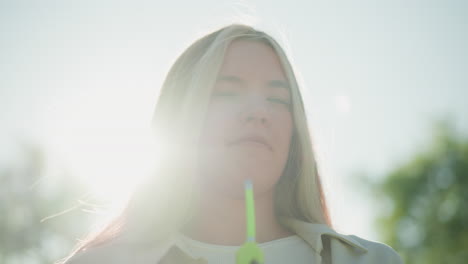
(248, 127)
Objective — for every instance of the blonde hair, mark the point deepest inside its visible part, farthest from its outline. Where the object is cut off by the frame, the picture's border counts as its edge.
(166, 201)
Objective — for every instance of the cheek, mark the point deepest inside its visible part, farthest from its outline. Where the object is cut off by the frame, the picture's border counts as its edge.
(284, 129)
(215, 127)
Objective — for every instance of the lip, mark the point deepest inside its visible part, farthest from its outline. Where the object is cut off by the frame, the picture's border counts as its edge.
(251, 138)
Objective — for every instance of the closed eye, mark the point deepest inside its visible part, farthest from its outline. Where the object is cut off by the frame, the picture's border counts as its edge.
(279, 101)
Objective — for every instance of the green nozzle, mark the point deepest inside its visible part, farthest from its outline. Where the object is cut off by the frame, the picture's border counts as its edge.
(250, 211)
(249, 252)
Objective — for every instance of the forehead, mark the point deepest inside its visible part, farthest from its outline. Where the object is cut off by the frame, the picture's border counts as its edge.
(252, 60)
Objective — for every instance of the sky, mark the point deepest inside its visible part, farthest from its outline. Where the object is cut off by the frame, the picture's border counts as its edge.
(81, 78)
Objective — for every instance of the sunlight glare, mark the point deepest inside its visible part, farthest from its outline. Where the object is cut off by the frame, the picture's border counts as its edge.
(118, 165)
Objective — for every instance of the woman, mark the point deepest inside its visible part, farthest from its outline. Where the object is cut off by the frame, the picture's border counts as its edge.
(230, 110)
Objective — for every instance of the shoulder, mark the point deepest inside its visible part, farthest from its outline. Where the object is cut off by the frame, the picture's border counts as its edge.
(108, 253)
(344, 248)
(376, 251)
(121, 252)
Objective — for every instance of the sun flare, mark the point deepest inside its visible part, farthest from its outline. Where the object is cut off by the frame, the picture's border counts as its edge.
(111, 164)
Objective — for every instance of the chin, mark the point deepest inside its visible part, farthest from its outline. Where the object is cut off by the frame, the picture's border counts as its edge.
(231, 183)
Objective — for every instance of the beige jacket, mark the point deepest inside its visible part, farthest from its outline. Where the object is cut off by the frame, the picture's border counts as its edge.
(330, 247)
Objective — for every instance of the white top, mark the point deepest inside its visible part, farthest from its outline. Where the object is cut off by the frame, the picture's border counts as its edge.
(292, 249)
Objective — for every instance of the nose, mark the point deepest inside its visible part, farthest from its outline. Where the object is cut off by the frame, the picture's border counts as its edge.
(255, 111)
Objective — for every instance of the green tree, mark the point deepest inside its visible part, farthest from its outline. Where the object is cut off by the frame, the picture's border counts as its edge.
(40, 212)
(425, 202)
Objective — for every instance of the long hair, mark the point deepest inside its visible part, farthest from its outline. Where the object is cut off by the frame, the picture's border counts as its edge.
(167, 199)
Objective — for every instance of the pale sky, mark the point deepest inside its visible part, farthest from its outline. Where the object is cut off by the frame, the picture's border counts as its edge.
(82, 77)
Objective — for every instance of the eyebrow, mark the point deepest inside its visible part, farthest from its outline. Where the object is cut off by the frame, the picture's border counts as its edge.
(230, 78)
(272, 83)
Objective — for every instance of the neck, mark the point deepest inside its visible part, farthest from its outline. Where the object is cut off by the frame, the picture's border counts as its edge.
(214, 223)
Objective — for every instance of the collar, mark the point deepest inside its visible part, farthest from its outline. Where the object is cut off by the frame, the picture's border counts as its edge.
(312, 233)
